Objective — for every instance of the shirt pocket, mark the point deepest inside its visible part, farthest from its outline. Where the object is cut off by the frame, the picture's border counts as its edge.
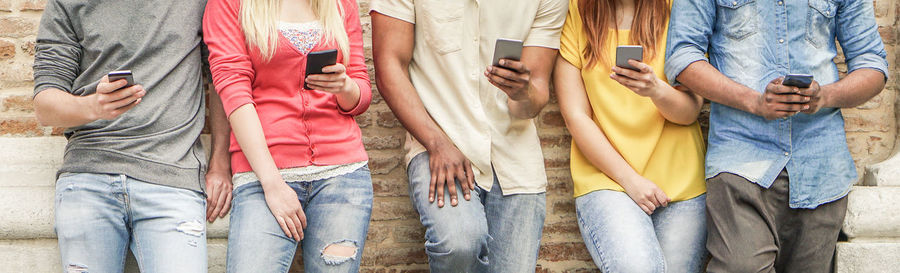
(442, 23)
(738, 18)
(820, 22)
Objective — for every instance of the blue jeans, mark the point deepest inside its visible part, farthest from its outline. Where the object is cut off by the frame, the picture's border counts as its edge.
(491, 233)
(100, 216)
(337, 213)
(622, 238)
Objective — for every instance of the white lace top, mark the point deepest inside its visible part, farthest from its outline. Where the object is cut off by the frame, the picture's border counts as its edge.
(302, 174)
(304, 36)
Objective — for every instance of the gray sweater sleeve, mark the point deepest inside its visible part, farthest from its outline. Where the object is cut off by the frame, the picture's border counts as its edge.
(58, 52)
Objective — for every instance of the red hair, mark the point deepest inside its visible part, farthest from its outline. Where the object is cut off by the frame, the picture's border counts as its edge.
(599, 16)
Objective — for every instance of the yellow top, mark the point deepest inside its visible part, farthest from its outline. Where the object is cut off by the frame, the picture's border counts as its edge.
(666, 153)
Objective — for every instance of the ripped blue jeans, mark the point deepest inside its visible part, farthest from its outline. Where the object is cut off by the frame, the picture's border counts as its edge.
(337, 213)
(100, 216)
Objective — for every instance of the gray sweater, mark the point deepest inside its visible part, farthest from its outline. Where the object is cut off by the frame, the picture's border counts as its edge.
(160, 42)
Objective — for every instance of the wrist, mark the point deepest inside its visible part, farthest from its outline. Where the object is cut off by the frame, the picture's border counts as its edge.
(88, 102)
(524, 95)
(659, 90)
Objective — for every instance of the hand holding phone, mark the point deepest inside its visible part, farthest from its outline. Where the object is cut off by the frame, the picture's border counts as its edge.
(798, 80)
(114, 96)
(121, 75)
(507, 49)
(315, 61)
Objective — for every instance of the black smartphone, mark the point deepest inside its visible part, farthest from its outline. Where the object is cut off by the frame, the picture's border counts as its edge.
(315, 61)
(625, 53)
(507, 49)
(798, 80)
(121, 75)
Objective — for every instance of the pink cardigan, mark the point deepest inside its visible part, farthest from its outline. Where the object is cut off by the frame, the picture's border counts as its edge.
(302, 127)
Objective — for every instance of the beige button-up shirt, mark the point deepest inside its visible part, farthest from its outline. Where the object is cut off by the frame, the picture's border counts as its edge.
(454, 43)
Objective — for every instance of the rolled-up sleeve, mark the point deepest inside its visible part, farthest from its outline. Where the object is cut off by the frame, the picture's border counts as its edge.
(357, 69)
(400, 9)
(229, 60)
(690, 28)
(858, 34)
(57, 51)
(548, 23)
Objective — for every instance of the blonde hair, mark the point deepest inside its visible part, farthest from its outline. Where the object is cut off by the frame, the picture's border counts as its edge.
(259, 21)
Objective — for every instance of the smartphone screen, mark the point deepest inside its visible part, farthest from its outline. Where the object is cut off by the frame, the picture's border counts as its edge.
(798, 80)
(507, 49)
(315, 61)
(625, 53)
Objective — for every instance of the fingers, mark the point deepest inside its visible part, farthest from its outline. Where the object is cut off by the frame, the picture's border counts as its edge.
(502, 77)
(220, 203)
(292, 227)
(227, 205)
(337, 68)
(105, 86)
(661, 198)
(300, 225)
(645, 209)
(627, 82)
(431, 187)
(451, 187)
(470, 179)
(284, 226)
(517, 66)
(211, 203)
(439, 187)
(642, 67)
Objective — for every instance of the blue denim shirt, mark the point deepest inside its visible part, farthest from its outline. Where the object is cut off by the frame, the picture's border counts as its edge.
(755, 41)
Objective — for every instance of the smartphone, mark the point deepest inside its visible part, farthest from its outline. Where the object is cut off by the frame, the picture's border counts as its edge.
(625, 53)
(315, 61)
(798, 80)
(121, 74)
(507, 49)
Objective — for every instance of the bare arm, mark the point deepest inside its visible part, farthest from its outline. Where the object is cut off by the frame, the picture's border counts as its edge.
(54, 107)
(680, 107)
(527, 83)
(218, 178)
(856, 88)
(593, 143)
(392, 41)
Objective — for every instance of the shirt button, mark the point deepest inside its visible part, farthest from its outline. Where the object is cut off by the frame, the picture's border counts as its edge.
(780, 3)
(780, 41)
(734, 3)
(787, 154)
(827, 12)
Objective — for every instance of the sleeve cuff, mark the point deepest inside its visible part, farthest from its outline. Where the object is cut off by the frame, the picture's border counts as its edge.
(390, 11)
(679, 60)
(551, 41)
(868, 60)
(235, 101)
(365, 98)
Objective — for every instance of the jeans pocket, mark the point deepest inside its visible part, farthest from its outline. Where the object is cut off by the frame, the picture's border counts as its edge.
(820, 22)
(739, 18)
(442, 23)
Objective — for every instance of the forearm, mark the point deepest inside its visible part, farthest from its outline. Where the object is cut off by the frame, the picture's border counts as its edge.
(594, 145)
(54, 107)
(249, 134)
(854, 89)
(400, 95)
(680, 107)
(705, 80)
(220, 132)
(532, 105)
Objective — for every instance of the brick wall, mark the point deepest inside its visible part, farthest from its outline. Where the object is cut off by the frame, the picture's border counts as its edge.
(396, 236)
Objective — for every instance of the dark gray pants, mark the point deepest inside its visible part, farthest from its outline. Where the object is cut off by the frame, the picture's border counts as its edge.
(752, 229)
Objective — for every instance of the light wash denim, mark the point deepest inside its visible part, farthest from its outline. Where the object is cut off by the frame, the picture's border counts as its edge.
(490, 233)
(753, 42)
(100, 216)
(337, 212)
(622, 238)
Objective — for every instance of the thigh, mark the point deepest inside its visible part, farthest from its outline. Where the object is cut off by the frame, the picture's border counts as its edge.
(619, 235)
(337, 214)
(256, 242)
(681, 231)
(168, 227)
(455, 237)
(809, 245)
(740, 230)
(515, 223)
(91, 222)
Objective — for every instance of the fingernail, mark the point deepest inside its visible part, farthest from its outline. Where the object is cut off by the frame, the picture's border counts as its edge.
(502, 62)
(490, 69)
(805, 107)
